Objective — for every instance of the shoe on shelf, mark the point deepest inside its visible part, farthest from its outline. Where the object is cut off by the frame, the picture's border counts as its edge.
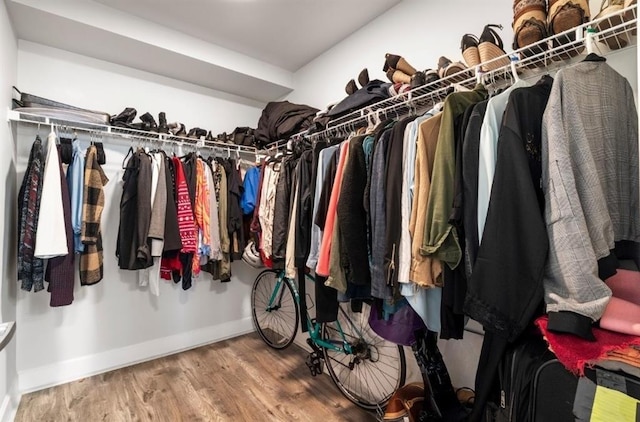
(492, 54)
(209, 137)
(418, 79)
(469, 48)
(447, 68)
(529, 25)
(351, 87)
(396, 62)
(162, 123)
(125, 117)
(609, 8)
(148, 118)
(564, 15)
(363, 77)
(398, 76)
(177, 129)
(196, 133)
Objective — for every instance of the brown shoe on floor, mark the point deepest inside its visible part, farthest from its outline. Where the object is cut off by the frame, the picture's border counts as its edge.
(405, 397)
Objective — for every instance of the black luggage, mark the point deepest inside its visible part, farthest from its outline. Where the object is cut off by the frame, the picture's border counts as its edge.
(553, 393)
(533, 385)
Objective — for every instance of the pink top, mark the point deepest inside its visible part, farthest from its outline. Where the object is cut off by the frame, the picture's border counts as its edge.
(322, 268)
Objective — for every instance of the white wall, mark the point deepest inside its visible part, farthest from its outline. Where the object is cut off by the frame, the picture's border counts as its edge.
(421, 31)
(115, 323)
(8, 66)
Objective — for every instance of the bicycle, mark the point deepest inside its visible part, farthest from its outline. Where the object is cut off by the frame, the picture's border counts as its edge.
(366, 368)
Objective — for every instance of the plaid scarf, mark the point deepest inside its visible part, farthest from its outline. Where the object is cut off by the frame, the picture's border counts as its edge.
(91, 270)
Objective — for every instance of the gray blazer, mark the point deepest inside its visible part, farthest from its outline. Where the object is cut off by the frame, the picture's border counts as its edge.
(590, 182)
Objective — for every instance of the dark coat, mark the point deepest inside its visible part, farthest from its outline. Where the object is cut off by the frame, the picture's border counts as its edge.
(132, 249)
(352, 216)
(505, 289)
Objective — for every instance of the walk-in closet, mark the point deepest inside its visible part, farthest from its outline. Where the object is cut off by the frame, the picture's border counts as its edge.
(286, 210)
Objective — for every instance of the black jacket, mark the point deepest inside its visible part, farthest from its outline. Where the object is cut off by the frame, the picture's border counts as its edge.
(393, 204)
(505, 290)
(352, 216)
(132, 248)
(282, 210)
(305, 205)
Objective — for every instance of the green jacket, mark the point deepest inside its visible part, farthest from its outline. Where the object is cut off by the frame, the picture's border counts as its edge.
(440, 239)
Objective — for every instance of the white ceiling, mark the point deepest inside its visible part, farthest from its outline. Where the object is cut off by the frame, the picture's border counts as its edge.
(285, 33)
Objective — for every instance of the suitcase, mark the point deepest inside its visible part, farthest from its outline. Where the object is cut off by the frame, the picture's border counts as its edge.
(45, 107)
(553, 393)
(533, 385)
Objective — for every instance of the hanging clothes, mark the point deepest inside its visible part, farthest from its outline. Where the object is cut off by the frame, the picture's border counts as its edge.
(30, 268)
(75, 182)
(50, 233)
(91, 259)
(60, 270)
(151, 276)
(282, 209)
(440, 238)
(511, 259)
(590, 183)
(352, 216)
(132, 249)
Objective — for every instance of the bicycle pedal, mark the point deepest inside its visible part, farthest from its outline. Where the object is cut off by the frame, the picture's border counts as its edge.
(314, 363)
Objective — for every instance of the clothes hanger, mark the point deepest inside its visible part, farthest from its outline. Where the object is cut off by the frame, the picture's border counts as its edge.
(130, 152)
(591, 45)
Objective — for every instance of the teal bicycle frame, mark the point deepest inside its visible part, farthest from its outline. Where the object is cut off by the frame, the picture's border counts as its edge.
(342, 346)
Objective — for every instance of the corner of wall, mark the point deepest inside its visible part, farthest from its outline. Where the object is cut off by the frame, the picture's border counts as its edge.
(9, 395)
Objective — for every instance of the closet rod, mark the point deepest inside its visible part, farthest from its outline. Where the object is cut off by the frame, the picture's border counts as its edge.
(95, 129)
(536, 59)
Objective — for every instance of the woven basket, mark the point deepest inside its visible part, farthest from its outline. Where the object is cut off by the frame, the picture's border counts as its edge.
(488, 52)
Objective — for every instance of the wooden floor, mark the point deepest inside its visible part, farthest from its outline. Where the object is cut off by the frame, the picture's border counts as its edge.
(236, 380)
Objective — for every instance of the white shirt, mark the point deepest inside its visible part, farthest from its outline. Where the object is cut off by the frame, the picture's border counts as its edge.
(489, 133)
(51, 237)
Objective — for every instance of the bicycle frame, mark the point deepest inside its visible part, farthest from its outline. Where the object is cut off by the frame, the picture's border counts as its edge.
(314, 332)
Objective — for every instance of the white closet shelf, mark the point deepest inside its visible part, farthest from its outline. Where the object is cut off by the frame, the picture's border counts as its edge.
(613, 33)
(100, 131)
(6, 333)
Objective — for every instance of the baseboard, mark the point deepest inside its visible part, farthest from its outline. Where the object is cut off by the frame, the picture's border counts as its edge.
(86, 366)
(9, 406)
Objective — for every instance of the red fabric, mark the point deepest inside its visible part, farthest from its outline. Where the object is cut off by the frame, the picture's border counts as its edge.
(575, 353)
(186, 221)
(322, 267)
(168, 265)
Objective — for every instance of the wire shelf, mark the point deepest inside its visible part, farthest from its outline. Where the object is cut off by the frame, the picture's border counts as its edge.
(100, 131)
(614, 32)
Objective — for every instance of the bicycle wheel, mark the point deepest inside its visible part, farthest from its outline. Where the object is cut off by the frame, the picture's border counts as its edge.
(274, 309)
(376, 368)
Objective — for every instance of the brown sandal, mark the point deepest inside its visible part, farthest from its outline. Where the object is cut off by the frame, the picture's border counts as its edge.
(447, 68)
(470, 52)
(607, 8)
(529, 25)
(491, 48)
